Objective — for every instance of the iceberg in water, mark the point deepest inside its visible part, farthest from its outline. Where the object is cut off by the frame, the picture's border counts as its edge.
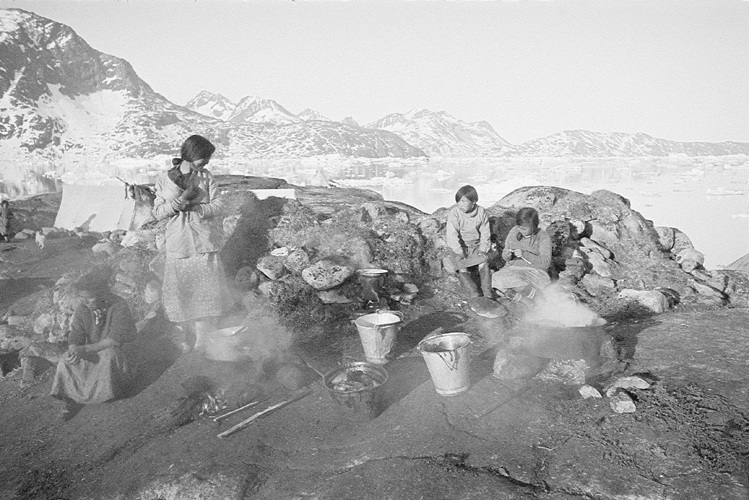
(721, 191)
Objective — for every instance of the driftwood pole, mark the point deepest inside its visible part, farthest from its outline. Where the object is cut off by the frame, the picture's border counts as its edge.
(230, 413)
(270, 409)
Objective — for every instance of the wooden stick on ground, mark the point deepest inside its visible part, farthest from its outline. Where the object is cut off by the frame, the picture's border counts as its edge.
(236, 410)
(270, 409)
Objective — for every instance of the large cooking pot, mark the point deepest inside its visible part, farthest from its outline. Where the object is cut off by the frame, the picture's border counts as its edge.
(226, 344)
(547, 339)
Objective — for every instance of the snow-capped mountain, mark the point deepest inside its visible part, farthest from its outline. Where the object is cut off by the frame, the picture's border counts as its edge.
(256, 110)
(309, 115)
(440, 134)
(316, 138)
(352, 123)
(253, 109)
(213, 105)
(58, 95)
(585, 143)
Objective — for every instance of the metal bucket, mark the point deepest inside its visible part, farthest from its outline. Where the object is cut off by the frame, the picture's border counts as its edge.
(357, 386)
(556, 341)
(447, 359)
(377, 332)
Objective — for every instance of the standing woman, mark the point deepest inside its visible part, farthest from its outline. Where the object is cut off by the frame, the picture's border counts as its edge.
(194, 290)
(527, 253)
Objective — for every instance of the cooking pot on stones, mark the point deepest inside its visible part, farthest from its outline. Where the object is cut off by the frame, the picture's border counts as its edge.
(553, 340)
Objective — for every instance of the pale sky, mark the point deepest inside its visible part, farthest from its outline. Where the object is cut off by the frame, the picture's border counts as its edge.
(676, 70)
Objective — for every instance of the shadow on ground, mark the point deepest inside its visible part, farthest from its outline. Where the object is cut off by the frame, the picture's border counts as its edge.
(625, 327)
(151, 354)
(412, 333)
(12, 290)
(152, 357)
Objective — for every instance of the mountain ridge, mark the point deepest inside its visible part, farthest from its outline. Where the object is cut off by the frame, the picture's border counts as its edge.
(441, 134)
(59, 96)
(586, 143)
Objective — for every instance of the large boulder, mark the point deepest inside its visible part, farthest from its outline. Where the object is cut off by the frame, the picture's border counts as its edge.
(737, 287)
(619, 248)
(666, 238)
(327, 273)
(297, 260)
(681, 242)
(271, 266)
(690, 259)
(367, 234)
(613, 223)
(653, 300)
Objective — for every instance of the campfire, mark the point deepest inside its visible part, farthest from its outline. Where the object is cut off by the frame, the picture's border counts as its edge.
(214, 402)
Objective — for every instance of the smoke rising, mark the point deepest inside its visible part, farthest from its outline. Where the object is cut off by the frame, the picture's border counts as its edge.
(558, 308)
(250, 357)
(265, 338)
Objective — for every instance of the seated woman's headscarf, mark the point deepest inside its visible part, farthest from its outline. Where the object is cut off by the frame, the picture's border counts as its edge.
(95, 282)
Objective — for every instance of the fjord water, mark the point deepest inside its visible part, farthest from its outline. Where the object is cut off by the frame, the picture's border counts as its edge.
(706, 198)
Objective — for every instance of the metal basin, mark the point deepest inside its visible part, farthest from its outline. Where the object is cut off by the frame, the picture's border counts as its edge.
(356, 386)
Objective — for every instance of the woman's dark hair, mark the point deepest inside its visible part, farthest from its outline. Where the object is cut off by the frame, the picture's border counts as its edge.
(95, 282)
(527, 216)
(5, 203)
(467, 191)
(196, 147)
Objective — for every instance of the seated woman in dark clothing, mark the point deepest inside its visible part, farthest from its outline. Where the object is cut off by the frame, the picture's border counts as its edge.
(94, 368)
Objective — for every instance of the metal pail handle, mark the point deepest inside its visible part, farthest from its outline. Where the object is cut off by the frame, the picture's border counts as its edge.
(452, 363)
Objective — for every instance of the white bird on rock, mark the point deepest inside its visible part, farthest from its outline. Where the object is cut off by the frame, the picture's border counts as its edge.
(40, 239)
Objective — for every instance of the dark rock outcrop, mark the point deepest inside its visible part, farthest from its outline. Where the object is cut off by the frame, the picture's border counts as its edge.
(620, 249)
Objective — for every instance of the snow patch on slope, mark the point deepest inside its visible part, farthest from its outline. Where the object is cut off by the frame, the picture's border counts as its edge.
(84, 115)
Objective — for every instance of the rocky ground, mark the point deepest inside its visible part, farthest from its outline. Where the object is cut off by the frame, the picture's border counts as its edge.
(526, 436)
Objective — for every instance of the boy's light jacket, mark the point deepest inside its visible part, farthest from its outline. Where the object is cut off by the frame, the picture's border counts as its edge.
(466, 232)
